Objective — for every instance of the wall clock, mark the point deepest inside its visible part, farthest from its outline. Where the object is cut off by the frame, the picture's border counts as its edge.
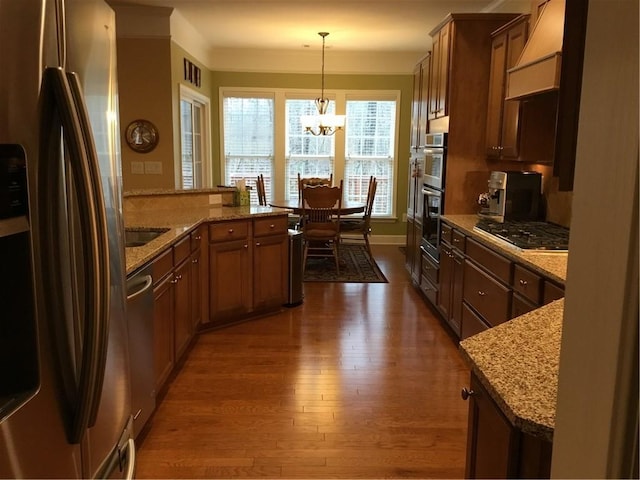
(141, 136)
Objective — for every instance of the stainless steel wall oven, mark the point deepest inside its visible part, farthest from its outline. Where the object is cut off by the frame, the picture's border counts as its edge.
(433, 192)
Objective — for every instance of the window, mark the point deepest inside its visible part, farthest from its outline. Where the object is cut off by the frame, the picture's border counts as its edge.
(248, 141)
(262, 134)
(369, 150)
(305, 154)
(193, 171)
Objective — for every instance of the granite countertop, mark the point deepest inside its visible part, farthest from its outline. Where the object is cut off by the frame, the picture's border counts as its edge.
(180, 222)
(517, 362)
(548, 263)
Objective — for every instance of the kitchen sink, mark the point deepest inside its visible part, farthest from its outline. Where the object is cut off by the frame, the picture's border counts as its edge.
(138, 237)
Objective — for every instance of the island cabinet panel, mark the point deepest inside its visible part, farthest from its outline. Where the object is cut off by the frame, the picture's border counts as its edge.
(471, 323)
(231, 280)
(248, 271)
(270, 262)
(551, 292)
(497, 449)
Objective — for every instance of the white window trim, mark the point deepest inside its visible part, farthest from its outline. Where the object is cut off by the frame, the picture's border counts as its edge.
(207, 161)
(340, 98)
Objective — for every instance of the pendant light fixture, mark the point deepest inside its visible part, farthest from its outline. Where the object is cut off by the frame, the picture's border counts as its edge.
(322, 123)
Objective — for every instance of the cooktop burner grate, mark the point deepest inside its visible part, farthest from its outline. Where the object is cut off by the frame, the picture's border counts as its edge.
(528, 235)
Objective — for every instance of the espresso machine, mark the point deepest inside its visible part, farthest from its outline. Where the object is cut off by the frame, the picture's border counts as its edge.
(512, 195)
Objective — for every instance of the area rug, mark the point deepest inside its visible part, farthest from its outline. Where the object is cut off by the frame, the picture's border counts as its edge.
(356, 266)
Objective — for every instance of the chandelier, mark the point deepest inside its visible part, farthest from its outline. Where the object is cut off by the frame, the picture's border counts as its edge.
(322, 123)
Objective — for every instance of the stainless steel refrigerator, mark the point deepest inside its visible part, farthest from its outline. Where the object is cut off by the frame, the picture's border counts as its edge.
(64, 365)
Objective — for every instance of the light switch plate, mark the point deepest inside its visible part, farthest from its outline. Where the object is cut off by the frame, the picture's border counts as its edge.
(153, 168)
(137, 168)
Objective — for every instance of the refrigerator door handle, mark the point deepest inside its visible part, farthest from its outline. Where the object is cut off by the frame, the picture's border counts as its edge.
(58, 110)
(101, 243)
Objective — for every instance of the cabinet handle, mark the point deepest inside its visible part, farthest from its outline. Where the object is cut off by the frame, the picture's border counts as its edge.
(450, 255)
(523, 283)
(195, 260)
(465, 394)
(246, 246)
(178, 277)
(230, 231)
(174, 281)
(456, 240)
(500, 148)
(272, 226)
(197, 237)
(481, 293)
(257, 244)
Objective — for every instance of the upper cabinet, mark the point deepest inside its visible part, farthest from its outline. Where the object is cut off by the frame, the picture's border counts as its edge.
(439, 85)
(503, 130)
(420, 103)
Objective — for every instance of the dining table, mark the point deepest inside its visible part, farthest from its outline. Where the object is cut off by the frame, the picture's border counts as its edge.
(347, 207)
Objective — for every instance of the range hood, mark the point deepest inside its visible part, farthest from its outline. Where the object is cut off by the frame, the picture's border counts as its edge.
(538, 68)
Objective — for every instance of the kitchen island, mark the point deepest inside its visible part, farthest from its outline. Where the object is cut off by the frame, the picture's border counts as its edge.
(514, 370)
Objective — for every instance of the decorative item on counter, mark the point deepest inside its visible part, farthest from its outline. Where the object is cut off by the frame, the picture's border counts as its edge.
(242, 194)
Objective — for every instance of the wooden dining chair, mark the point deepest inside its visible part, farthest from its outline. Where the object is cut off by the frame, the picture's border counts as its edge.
(262, 194)
(361, 225)
(321, 222)
(312, 181)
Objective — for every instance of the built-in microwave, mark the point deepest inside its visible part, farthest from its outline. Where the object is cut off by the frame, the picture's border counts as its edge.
(435, 153)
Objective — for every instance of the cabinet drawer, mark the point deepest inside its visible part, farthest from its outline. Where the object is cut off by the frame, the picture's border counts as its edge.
(491, 261)
(471, 323)
(551, 292)
(527, 283)
(162, 265)
(446, 233)
(429, 269)
(270, 226)
(487, 296)
(225, 231)
(521, 305)
(181, 250)
(458, 240)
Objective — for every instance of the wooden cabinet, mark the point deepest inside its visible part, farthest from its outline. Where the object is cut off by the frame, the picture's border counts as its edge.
(495, 448)
(430, 279)
(502, 138)
(420, 103)
(163, 359)
(230, 275)
(414, 217)
(451, 284)
(439, 84)
(174, 284)
(247, 267)
(270, 262)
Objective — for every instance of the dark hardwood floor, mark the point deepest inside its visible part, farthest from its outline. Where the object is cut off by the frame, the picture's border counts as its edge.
(360, 381)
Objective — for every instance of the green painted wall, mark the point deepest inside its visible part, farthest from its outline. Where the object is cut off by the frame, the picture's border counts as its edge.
(403, 83)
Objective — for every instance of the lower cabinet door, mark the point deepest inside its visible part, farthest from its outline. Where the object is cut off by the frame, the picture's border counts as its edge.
(183, 326)
(270, 262)
(230, 280)
(491, 439)
(163, 309)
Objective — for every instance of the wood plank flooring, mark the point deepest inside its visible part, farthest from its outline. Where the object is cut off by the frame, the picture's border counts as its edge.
(360, 381)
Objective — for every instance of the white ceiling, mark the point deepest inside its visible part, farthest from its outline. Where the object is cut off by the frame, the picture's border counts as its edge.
(292, 26)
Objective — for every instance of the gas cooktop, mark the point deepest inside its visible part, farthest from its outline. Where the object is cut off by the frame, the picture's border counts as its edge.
(528, 235)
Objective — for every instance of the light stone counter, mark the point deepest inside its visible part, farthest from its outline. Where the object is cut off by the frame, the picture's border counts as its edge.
(550, 264)
(180, 221)
(517, 362)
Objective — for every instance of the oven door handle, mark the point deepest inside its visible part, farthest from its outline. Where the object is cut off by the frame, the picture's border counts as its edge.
(431, 193)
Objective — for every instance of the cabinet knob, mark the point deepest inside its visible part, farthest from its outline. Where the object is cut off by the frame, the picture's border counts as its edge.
(523, 283)
(257, 244)
(230, 230)
(272, 226)
(174, 281)
(456, 240)
(198, 237)
(195, 260)
(465, 394)
(481, 293)
(246, 246)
